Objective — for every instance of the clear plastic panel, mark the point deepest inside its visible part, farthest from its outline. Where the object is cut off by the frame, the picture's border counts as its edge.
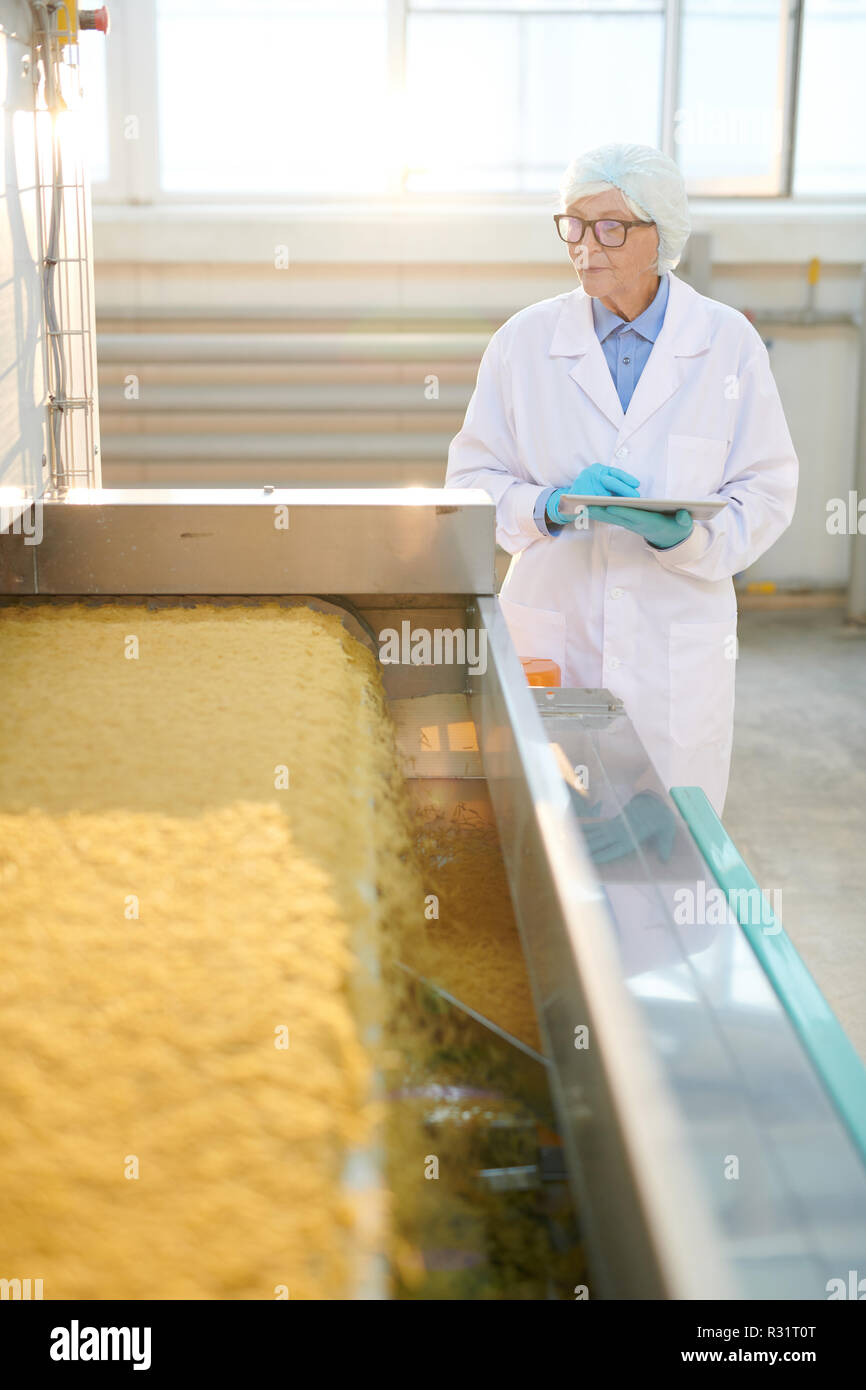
(781, 1174)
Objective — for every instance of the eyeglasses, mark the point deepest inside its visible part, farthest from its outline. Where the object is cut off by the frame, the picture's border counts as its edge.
(607, 230)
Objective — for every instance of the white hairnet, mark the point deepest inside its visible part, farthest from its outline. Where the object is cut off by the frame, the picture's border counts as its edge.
(651, 184)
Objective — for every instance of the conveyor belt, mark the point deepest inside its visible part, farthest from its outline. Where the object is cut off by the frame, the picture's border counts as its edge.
(669, 1051)
(215, 849)
(179, 946)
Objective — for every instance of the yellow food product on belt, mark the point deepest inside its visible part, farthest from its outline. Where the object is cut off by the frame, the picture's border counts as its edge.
(472, 947)
(200, 820)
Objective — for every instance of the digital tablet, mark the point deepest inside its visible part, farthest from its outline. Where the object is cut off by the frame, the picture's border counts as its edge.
(701, 510)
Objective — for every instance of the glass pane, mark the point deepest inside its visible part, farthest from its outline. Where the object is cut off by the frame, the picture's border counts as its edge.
(275, 97)
(525, 94)
(590, 81)
(830, 150)
(465, 137)
(729, 119)
(92, 60)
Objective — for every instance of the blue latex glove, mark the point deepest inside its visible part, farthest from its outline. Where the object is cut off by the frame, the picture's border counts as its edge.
(645, 819)
(595, 481)
(657, 528)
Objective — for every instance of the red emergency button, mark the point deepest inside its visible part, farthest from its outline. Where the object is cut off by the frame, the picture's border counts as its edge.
(94, 19)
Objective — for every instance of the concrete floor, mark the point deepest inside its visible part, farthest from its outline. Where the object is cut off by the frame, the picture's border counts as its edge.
(796, 805)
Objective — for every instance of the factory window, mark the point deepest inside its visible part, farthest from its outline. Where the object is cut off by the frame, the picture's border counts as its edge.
(337, 98)
(498, 94)
(735, 87)
(831, 152)
(272, 96)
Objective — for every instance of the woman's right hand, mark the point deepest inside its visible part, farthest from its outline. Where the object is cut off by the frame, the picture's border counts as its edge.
(598, 480)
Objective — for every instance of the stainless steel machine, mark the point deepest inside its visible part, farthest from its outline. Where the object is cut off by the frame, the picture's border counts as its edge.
(713, 1112)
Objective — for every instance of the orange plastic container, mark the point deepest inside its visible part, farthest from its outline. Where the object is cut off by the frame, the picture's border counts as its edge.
(540, 670)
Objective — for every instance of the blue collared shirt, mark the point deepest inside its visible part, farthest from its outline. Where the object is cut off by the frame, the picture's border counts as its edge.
(626, 347)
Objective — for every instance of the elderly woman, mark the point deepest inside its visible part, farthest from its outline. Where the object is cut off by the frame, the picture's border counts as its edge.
(631, 385)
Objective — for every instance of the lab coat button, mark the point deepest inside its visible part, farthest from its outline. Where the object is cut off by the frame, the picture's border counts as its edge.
(621, 453)
(614, 663)
(617, 593)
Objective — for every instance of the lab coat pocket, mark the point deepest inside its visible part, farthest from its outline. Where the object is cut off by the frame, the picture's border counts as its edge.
(536, 632)
(701, 664)
(695, 466)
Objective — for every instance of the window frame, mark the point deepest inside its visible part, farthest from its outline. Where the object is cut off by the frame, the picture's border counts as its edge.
(134, 163)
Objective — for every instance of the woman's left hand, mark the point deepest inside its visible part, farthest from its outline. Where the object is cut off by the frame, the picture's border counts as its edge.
(660, 529)
(645, 820)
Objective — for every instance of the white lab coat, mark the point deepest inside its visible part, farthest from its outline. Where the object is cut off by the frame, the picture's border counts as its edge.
(656, 627)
